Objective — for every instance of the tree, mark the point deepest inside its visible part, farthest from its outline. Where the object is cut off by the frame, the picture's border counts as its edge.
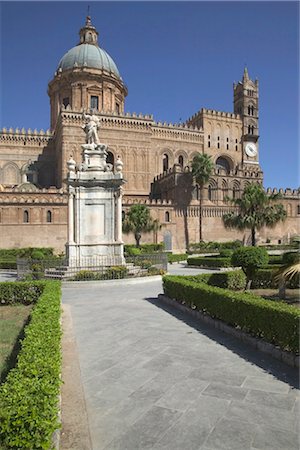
(202, 168)
(250, 259)
(137, 221)
(256, 209)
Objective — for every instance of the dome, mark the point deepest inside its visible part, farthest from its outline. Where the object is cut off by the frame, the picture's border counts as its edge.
(88, 55)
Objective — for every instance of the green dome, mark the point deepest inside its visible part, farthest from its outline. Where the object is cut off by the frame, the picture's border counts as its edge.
(88, 55)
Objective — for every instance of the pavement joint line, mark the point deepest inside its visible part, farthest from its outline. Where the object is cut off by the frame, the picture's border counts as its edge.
(259, 344)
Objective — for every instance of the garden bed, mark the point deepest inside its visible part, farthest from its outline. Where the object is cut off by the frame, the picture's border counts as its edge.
(29, 397)
(275, 322)
(13, 320)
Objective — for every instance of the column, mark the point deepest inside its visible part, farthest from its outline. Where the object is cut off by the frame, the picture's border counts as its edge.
(119, 216)
(71, 216)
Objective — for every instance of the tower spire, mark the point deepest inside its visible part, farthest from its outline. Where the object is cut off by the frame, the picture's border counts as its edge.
(245, 75)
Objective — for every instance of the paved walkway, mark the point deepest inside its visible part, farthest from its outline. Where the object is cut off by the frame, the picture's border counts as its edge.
(154, 378)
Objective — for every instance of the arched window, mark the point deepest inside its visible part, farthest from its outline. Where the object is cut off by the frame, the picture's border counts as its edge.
(298, 209)
(223, 164)
(49, 216)
(26, 216)
(209, 192)
(180, 160)
(110, 158)
(167, 216)
(165, 163)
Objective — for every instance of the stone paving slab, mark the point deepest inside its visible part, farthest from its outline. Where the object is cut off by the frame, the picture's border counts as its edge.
(154, 378)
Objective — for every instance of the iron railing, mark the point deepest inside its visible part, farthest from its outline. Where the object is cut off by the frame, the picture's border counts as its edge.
(93, 268)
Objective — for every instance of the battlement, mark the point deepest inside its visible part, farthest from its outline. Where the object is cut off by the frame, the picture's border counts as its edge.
(145, 201)
(136, 121)
(23, 132)
(43, 196)
(213, 112)
(287, 192)
(26, 136)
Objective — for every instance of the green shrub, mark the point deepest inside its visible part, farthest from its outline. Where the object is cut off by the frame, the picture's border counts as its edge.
(8, 264)
(29, 402)
(290, 258)
(85, 275)
(116, 272)
(276, 322)
(234, 280)
(130, 250)
(112, 273)
(177, 257)
(37, 254)
(275, 260)
(215, 246)
(156, 271)
(208, 261)
(264, 279)
(226, 253)
(250, 259)
(145, 263)
(20, 292)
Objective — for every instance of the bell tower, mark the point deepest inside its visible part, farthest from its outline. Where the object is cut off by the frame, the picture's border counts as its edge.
(245, 100)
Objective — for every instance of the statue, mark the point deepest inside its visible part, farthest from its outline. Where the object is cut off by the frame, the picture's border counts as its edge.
(91, 127)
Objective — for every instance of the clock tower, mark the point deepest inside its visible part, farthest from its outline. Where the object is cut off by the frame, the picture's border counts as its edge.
(246, 105)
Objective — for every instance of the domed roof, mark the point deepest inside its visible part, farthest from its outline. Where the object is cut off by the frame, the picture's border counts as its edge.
(88, 55)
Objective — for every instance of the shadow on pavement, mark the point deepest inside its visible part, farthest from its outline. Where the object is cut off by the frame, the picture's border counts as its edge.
(272, 366)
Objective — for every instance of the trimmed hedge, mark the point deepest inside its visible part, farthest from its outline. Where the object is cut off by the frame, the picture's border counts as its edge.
(112, 273)
(275, 259)
(234, 280)
(132, 250)
(176, 257)
(214, 246)
(209, 261)
(276, 322)
(264, 279)
(20, 292)
(29, 403)
(8, 264)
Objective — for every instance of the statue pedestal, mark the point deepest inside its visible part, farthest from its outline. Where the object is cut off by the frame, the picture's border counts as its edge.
(95, 212)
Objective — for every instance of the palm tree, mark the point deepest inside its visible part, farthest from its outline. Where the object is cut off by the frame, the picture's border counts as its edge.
(138, 220)
(256, 210)
(202, 167)
(289, 271)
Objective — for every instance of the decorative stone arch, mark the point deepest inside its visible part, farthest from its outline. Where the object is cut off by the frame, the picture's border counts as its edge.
(166, 160)
(236, 189)
(181, 154)
(224, 189)
(224, 164)
(110, 158)
(212, 190)
(11, 174)
(246, 183)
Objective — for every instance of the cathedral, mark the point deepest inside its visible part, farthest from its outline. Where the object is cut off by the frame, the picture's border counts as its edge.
(156, 156)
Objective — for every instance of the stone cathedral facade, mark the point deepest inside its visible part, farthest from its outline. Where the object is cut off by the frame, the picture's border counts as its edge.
(156, 157)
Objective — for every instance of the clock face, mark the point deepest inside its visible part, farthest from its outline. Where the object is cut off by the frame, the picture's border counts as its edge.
(250, 149)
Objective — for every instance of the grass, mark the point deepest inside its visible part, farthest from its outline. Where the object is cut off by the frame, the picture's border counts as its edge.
(13, 320)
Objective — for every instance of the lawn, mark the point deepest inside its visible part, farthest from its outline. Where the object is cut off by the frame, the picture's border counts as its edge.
(13, 319)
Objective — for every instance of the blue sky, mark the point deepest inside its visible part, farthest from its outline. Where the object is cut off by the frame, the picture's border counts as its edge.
(175, 58)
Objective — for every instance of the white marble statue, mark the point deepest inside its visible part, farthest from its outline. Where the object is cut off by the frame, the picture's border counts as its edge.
(91, 128)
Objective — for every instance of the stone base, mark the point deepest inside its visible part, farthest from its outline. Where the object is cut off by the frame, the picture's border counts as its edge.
(93, 256)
